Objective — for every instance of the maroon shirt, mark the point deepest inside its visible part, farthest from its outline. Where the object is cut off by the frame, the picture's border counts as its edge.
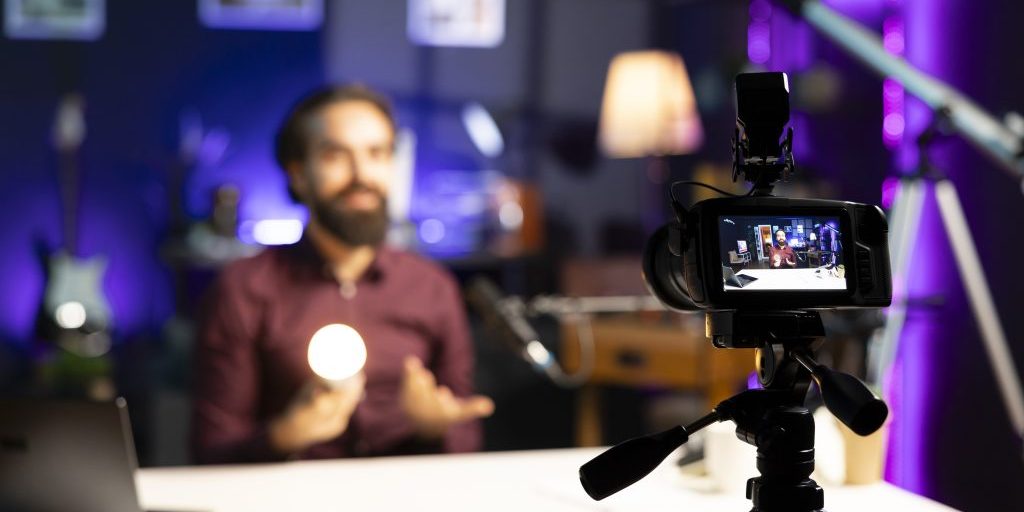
(258, 320)
(785, 254)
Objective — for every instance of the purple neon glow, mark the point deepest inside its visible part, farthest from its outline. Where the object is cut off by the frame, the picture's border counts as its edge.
(892, 35)
(911, 380)
(892, 90)
(20, 268)
(860, 10)
(890, 186)
(295, 15)
(779, 42)
(759, 32)
(893, 124)
(759, 48)
(133, 282)
(753, 382)
(893, 120)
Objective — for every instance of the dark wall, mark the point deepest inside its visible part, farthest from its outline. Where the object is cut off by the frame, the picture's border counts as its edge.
(154, 61)
(727, 236)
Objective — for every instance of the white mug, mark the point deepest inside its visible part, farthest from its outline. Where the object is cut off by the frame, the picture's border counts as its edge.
(729, 461)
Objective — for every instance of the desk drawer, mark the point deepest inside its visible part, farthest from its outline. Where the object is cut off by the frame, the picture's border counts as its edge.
(637, 354)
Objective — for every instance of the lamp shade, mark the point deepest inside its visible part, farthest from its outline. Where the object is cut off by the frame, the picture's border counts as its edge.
(648, 107)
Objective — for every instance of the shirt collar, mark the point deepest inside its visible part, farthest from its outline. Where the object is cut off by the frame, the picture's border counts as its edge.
(309, 261)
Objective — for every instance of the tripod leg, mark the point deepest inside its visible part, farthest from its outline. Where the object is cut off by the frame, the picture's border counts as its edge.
(980, 297)
(906, 218)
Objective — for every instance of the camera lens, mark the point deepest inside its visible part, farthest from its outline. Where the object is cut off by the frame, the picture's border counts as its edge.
(663, 273)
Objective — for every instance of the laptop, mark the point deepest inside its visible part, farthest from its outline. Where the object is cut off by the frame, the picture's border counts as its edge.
(733, 279)
(64, 456)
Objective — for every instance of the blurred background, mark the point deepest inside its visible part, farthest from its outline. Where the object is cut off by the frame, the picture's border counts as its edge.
(138, 135)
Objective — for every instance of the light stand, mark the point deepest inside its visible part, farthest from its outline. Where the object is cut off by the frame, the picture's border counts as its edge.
(1001, 144)
(905, 221)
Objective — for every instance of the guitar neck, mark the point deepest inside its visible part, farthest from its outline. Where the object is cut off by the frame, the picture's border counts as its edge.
(68, 132)
(69, 189)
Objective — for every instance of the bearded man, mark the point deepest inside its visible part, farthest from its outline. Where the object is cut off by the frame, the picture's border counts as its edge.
(256, 398)
(781, 255)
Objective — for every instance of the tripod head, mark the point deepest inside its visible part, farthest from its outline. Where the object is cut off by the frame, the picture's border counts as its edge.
(773, 418)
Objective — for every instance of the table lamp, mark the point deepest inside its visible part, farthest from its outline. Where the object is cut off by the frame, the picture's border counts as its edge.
(648, 107)
(649, 111)
(336, 354)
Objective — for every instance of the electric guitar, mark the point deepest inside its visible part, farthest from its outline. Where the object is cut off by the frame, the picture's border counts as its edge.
(75, 314)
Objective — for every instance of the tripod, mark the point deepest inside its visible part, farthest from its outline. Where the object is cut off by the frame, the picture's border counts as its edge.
(773, 418)
(994, 138)
(906, 219)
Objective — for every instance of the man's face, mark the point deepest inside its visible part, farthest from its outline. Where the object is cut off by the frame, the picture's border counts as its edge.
(780, 237)
(346, 175)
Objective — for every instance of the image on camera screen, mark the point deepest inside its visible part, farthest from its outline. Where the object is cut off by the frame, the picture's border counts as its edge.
(795, 253)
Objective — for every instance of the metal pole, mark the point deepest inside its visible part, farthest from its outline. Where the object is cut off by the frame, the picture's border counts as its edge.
(989, 135)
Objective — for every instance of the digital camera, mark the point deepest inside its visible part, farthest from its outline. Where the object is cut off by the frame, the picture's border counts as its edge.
(761, 252)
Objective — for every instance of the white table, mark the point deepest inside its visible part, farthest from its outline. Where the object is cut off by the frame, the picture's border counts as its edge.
(790, 279)
(505, 481)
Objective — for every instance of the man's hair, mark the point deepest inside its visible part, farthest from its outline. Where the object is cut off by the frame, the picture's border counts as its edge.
(784, 240)
(291, 142)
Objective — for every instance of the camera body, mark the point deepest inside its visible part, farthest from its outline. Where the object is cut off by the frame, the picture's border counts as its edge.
(771, 253)
(761, 253)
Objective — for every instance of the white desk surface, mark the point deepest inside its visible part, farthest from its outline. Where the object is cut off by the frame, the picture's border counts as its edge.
(504, 481)
(789, 279)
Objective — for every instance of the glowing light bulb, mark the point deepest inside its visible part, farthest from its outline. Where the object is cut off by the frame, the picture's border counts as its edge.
(70, 315)
(336, 352)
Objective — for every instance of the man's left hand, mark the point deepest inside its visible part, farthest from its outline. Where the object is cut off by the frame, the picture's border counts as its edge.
(434, 408)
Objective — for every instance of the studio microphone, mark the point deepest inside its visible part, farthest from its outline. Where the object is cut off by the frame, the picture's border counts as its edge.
(507, 315)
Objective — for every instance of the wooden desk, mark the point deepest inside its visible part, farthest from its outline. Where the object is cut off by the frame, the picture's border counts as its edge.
(632, 351)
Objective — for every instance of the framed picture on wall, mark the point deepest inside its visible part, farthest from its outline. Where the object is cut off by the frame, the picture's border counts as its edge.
(262, 14)
(468, 23)
(54, 19)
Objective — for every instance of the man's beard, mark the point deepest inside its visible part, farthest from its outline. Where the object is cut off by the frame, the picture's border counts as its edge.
(352, 226)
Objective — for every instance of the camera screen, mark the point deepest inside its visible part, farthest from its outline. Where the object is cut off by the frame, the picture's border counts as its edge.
(778, 252)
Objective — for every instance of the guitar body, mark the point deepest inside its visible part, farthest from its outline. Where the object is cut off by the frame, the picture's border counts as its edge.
(74, 299)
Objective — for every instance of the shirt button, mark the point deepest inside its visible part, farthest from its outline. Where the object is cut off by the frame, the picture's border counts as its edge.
(347, 290)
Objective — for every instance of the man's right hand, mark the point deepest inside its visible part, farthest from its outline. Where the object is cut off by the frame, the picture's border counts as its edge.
(319, 413)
